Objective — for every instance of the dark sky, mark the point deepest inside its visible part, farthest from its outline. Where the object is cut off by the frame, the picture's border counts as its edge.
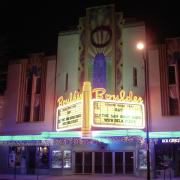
(32, 26)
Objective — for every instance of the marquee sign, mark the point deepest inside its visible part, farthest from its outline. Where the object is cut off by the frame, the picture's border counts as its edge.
(116, 114)
(69, 116)
(98, 108)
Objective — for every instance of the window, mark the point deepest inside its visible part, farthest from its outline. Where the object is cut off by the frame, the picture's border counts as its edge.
(99, 71)
(142, 159)
(16, 156)
(173, 106)
(31, 100)
(134, 77)
(67, 159)
(32, 105)
(164, 156)
(61, 159)
(66, 83)
(38, 85)
(173, 90)
(29, 85)
(56, 159)
(169, 61)
(43, 157)
(172, 75)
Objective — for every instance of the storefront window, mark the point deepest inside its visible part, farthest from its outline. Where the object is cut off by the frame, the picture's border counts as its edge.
(61, 159)
(142, 159)
(56, 159)
(16, 156)
(67, 159)
(164, 156)
(43, 157)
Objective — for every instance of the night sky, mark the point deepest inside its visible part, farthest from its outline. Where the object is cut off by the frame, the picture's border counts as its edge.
(32, 26)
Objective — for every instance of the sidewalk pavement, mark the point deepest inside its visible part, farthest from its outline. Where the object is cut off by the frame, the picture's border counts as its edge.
(74, 177)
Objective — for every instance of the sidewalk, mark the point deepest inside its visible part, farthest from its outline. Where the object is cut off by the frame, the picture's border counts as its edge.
(68, 177)
(74, 177)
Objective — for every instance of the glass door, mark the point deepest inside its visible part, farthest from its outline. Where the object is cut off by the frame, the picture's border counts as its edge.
(118, 162)
(108, 162)
(103, 163)
(78, 162)
(98, 162)
(87, 162)
(129, 162)
(31, 163)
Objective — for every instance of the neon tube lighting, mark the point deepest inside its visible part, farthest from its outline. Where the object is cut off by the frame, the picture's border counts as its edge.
(22, 138)
(61, 134)
(95, 135)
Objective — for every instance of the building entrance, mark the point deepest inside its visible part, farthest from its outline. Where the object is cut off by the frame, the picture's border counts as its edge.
(167, 159)
(31, 163)
(104, 162)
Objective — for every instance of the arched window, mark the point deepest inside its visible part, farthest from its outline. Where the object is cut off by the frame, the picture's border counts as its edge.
(99, 71)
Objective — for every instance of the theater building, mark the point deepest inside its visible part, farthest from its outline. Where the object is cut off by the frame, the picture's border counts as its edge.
(83, 112)
(100, 53)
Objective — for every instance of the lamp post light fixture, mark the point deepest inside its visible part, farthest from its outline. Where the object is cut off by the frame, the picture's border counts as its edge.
(142, 48)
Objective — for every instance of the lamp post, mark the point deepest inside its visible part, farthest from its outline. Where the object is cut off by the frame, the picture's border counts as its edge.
(141, 47)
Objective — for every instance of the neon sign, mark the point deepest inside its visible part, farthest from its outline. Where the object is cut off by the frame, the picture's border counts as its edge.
(100, 93)
(172, 140)
(72, 98)
(98, 108)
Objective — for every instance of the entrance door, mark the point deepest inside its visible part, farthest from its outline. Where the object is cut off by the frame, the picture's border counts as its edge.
(108, 162)
(98, 162)
(119, 163)
(79, 162)
(87, 162)
(129, 162)
(31, 163)
(83, 162)
(104, 162)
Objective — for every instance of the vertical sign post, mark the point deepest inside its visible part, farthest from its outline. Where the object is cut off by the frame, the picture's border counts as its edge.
(86, 124)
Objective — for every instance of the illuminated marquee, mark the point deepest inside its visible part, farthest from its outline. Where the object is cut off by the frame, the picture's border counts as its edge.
(69, 116)
(98, 108)
(117, 111)
(116, 114)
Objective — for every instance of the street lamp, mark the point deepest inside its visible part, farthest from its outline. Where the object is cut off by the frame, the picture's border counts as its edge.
(141, 47)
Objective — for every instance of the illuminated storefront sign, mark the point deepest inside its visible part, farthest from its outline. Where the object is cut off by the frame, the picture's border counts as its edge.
(172, 140)
(95, 107)
(69, 116)
(117, 114)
